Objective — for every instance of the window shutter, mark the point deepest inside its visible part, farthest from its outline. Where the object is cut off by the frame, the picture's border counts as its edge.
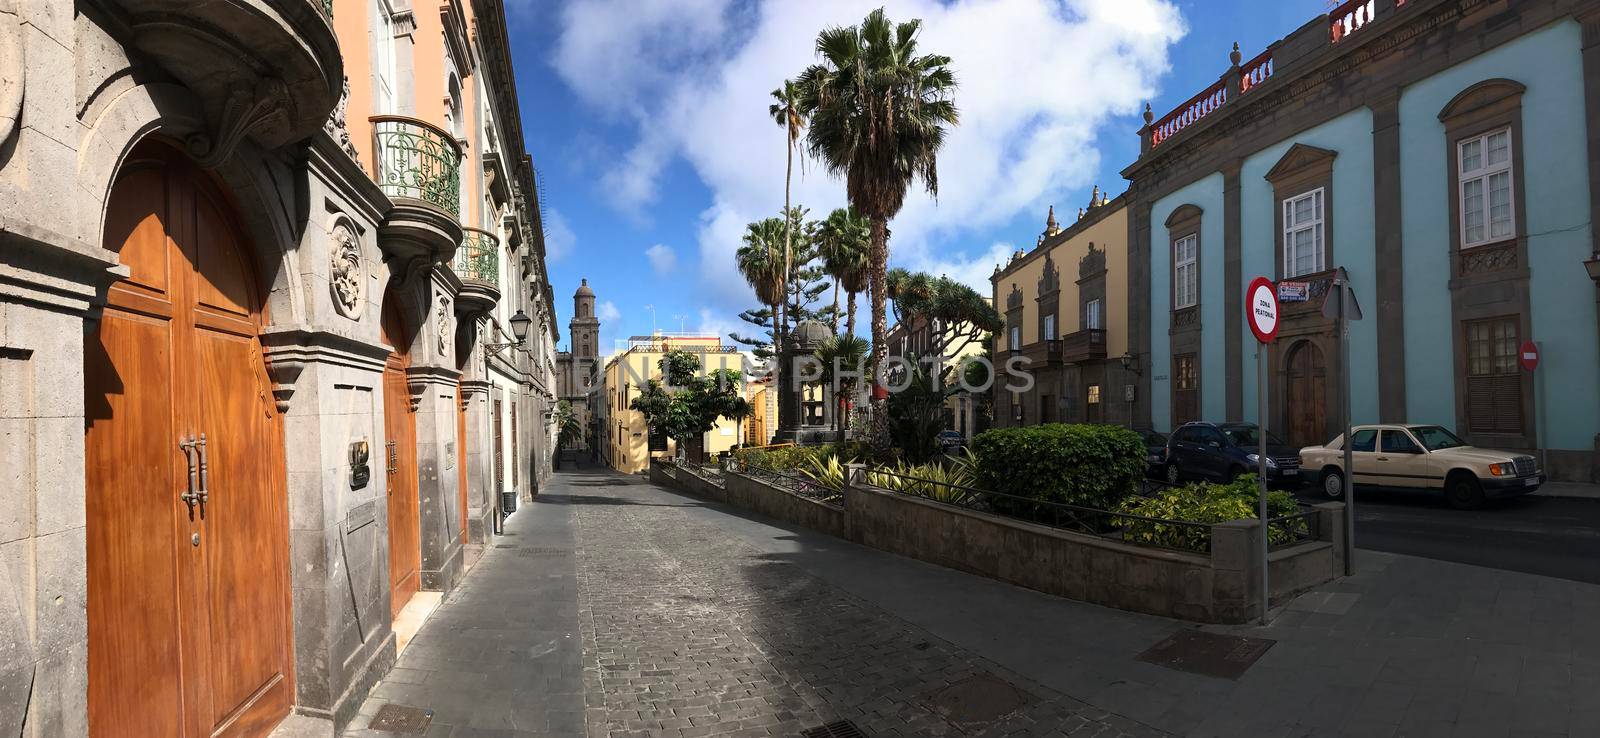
(1494, 403)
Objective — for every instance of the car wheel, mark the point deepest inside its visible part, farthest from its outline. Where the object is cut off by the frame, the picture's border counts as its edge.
(1463, 492)
(1173, 475)
(1333, 483)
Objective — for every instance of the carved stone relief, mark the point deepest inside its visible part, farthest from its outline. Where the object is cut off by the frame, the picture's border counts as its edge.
(335, 125)
(348, 276)
(442, 325)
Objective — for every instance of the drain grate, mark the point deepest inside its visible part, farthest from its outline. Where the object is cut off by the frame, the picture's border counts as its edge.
(401, 719)
(1210, 654)
(841, 729)
(977, 700)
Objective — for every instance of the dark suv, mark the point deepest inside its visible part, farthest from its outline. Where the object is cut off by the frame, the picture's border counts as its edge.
(1221, 452)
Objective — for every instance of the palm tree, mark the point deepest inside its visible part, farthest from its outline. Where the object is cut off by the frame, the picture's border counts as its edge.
(848, 351)
(842, 241)
(762, 265)
(878, 114)
(786, 111)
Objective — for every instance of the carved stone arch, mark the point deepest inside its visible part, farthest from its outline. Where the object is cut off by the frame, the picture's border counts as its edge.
(259, 199)
(1184, 213)
(1489, 93)
(1092, 263)
(1049, 276)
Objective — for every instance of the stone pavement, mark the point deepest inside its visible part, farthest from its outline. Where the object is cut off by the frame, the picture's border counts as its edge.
(626, 609)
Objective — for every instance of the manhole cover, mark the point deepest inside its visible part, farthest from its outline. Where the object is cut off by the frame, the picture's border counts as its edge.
(979, 699)
(841, 729)
(401, 719)
(1210, 654)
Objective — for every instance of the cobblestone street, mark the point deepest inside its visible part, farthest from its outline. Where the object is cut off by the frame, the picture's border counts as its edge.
(688, 630)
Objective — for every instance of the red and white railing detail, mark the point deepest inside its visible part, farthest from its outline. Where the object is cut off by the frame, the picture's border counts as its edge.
(1188, 113)
(1349, 17)
(1255, 71)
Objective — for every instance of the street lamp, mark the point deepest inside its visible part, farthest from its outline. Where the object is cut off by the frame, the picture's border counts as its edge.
(1593, 265)
(1130, 363)
(519, 331)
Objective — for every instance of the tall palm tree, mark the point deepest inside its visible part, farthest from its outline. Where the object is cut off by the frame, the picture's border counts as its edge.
(787, 112)
(842, 241)
(878, 113)
(849, 352)
(762, 265)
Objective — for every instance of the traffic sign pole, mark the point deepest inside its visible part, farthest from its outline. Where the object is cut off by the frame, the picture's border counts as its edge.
(1261, 308)
(1349, 450)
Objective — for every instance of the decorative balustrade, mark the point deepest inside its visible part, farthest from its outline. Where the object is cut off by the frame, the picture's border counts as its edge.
(1351, 16)
(1088, 344)
(1255, 71)
(415, 159)
(479, 256)
(1188, 113)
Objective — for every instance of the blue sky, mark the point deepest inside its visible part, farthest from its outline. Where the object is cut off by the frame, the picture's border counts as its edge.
(647, 121)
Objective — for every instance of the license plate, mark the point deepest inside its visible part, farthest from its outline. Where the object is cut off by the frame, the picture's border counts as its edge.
(1531, 482)
(1291, 472)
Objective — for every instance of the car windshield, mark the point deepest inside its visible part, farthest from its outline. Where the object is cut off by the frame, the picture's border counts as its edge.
(1436, 438)
(1245, 435)
(1152, 438)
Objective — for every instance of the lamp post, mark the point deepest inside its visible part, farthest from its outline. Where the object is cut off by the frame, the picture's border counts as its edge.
(519, 331)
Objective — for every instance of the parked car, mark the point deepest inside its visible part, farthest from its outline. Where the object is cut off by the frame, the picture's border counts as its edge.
(1422, 457)
(1221, 452)
(1155, 447)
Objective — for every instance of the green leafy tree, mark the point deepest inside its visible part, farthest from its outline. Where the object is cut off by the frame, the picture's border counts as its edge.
(878, 114)
(569, 431)
(849, 353)
(761, 343)
(688, 404)
(842, 242)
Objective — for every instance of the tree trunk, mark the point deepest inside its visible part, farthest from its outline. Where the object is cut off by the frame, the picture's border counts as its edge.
(878, 265)
(835, 306)
(850, 314)
(788, 174)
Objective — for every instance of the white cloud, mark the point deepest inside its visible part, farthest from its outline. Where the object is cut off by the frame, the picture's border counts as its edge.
(715, 323)
(1039, 81)
(662, 258)
(559, 240)
(607, 312)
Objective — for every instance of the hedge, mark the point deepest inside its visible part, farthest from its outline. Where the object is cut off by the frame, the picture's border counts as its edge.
(1093, 466)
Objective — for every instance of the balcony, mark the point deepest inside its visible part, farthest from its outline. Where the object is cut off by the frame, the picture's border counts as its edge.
(1085, 345)
(1045, 353)
(477, 262)
(419, 167)
(271, 69)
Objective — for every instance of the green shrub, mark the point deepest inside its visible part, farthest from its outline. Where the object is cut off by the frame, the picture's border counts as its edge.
(1086, 465)
(778, 458)
(1205, 503)
(828, 472)
(931, 480)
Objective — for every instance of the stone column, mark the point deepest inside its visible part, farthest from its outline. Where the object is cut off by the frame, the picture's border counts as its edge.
(1591, 99)
(1233, 282)
(480, 507)
(433, 378)
(1390, 266)
(47, 288)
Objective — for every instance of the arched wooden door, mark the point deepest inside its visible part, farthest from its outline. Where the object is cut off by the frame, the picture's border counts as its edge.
(187, 533)
(400, 456)
(1308, 407)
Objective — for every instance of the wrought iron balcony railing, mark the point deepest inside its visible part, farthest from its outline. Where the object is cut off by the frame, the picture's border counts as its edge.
(415, 159)
(327, 8)
(479, 257)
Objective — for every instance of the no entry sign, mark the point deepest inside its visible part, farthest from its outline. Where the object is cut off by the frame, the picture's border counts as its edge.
(1528, 356)
(1261, 309)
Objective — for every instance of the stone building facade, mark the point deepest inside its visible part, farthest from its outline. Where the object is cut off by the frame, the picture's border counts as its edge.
(1446, 155)
(251, 254)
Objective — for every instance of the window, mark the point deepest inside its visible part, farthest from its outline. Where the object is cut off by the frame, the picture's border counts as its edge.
(1186, 388)
(1049, 327)
(1487, 213)
(1016, 338)
(1093, 394)
(1302, 234)
(1363, 440)
(1398, 442)
(1185, 272)
(1016, 407)
(1494, 381)
(383, 68)
(1092, 317)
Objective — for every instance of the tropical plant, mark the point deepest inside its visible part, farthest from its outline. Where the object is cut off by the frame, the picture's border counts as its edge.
(878, 111)
(959, 315)
(1209, 504)
(761, 262)
(842, 242)
(787, 110)
(687, 405)
(828, 472)
(915, 412)
(842, 358)
(568, 428)
(949, 484)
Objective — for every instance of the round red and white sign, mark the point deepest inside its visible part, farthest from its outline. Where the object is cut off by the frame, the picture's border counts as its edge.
(1261, 309)
(1528, 356)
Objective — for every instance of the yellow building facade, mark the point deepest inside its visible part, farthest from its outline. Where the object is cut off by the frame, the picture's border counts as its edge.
(625, 441)
(1065, 310)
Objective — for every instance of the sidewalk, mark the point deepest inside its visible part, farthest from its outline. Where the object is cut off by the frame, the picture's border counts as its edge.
(1583, 490)
(633, 610)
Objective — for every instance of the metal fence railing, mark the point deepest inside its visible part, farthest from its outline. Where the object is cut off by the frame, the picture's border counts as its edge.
(1176, 535)
(1294, 529)
(710, 473)
(796, 483)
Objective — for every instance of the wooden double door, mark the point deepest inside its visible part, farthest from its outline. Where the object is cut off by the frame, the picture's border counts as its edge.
(187, 527)
(1307, 379)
